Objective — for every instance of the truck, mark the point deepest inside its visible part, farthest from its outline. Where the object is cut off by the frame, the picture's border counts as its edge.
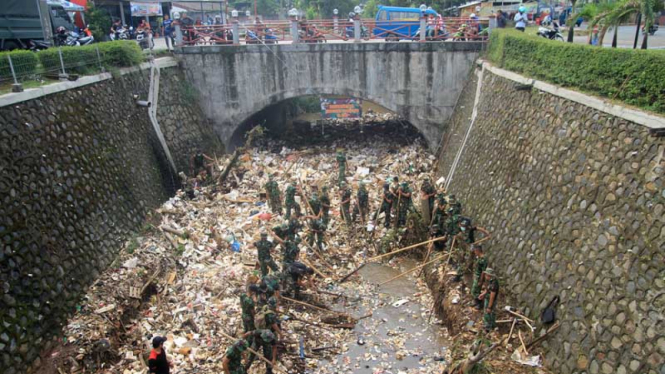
(395, 23)
(24, 20)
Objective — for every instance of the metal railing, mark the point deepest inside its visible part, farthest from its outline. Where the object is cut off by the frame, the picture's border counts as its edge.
(457, 29)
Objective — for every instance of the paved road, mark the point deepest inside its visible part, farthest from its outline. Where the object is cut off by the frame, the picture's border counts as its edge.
(626, 38)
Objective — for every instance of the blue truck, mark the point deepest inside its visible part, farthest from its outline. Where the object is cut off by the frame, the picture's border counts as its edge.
(395, 23)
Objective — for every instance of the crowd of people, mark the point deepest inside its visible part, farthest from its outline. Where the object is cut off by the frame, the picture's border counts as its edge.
(260, 303)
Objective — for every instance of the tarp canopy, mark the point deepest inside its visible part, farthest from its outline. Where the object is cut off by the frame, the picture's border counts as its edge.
(68, 6)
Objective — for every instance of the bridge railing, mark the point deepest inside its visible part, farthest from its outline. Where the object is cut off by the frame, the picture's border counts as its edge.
(337, 30)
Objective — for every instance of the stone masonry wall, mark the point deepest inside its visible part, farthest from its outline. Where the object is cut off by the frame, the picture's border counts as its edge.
(575, 199)
(79, 170)
(184, 125)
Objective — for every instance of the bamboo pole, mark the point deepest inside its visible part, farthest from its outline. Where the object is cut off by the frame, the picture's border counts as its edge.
(519, 334)
(308, 305)
(313, 268)
(407, 248)
(344, 278)
(413, 269)
(510, 335)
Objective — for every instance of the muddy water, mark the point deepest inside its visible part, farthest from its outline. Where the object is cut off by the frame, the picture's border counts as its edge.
(396, 337)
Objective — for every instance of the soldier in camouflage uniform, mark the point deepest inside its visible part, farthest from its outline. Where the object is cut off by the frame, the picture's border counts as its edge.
(325, 205)
(290, 200)
(428, 192)
(264, 247)
(341, 165)
(362, 198)
(386, 204)
(394, 189)
(268, 341)
(315, 204)
(451, 230)
(317, 230)
(345, 203)
(248, 303)
(479, 268)
(274, 198)
(232, 361)
(269, 287)
(490, 296)
(404, 196)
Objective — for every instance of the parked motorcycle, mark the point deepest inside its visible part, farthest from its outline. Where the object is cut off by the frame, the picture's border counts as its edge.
(123, 33)
(552, 34)
(65, 38)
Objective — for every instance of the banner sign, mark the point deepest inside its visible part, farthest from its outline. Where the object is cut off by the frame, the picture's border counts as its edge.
(341, 108)
(145, 9)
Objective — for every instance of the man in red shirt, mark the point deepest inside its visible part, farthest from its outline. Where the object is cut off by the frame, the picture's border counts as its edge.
(158, 363)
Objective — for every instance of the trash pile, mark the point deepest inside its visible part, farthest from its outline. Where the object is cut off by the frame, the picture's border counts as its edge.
(182, 277)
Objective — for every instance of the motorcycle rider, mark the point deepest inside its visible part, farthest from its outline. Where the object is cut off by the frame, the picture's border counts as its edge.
(115, 28)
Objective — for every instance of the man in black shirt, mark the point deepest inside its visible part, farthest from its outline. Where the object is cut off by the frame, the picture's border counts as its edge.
(158, 363)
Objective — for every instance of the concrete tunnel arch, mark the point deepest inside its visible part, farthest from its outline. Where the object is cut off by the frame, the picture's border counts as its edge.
(242, 126)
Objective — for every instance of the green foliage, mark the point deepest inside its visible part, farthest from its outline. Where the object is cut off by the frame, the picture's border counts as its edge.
(99, 21)
(636, 77)
(84, 59)
(24, 62)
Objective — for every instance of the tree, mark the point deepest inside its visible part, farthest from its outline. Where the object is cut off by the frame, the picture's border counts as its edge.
(99, 21)
(620, 11)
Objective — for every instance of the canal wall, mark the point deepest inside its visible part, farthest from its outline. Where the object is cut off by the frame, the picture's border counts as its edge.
(80, 167)
(573, 191)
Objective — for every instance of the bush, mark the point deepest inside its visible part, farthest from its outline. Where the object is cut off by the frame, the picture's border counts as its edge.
(84, 59)
(25, 64)
(636, 77)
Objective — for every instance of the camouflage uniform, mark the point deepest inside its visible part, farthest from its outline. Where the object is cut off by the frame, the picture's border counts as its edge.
(404, 204)
(386, 204)
(489, 318)
(317, 229)
(345, 193)
(363, 202)
(290, 201)
(325, 205)
(274, 199)
(341, 163)
(478, 269)
(247, 306)
(315, 204)
(234, 354)
(265, 259)
(266, 339)
(428, 189)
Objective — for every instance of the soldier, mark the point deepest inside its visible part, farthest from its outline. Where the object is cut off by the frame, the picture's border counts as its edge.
(232, 361)
(290, 200)
(362, 198)
(247, 303)
(478, 268)
(490, 296)
(427, 193)
(325, 205)
(468, 230)
(197, 163)
(264, 246)
(394, 189)
(451, 230)
(299, 273)
(317, 230)
(266, 339)
(341, 164)
(269, 287)
(345, 202)
(386, 204)
(274, 198)
(404, 196)
(315, 204)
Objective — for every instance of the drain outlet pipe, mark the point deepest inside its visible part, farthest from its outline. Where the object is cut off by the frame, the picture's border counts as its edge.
(144, 103)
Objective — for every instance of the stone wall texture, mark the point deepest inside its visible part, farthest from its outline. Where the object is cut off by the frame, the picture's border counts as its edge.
(79, 170)
(575, 199)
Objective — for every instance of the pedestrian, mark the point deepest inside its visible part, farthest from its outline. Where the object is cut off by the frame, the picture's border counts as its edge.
(404, 197)
(345, 203)
(386, 204)
(500, 19)
(521, 19)
(341, 165)
(167, 30)
(158, 362)
(490, 296)
(290, 200)
(263, 247)
(325, 205)
(479, 268)
(232, 361)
